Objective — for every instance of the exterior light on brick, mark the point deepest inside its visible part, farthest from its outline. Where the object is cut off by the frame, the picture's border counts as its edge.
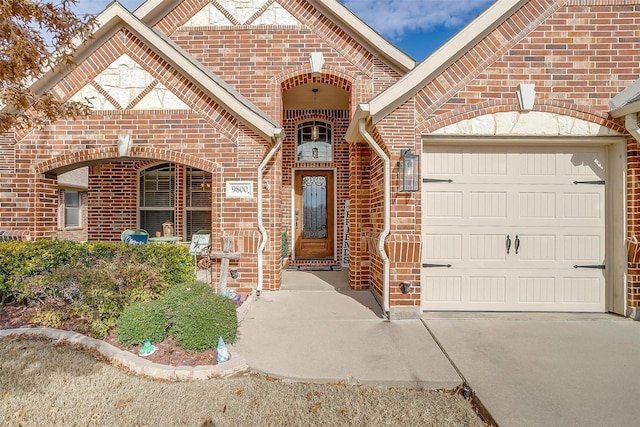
(408, 171)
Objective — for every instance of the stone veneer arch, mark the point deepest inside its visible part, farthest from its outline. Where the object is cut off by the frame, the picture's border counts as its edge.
(492, 107)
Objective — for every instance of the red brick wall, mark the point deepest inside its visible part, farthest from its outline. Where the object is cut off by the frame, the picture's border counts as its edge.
(259, 62)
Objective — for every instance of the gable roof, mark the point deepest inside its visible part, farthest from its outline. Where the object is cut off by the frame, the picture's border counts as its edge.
(627, 101)
(115, 17)
(151, 11)
(429, 69)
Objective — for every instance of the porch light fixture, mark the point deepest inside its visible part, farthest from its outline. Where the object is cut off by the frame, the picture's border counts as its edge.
(314, 152)
(315, 132)
(409, 171)
(234, 273)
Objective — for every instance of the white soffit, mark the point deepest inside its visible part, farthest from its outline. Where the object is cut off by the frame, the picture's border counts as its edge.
(447, 54)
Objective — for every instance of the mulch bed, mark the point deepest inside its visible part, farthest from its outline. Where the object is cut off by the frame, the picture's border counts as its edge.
(167, 352)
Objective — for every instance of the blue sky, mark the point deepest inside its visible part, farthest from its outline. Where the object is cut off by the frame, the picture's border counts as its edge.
(418, 27)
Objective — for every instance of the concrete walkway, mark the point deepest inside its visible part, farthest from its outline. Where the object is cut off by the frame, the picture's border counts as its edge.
(547, 369)
(316, 329)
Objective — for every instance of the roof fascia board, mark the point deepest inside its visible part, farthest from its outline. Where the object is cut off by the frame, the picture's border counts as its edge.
(623, 97)
(445, 56)
(152, 11)
(365, 35)
(632, 108)
(115, 16)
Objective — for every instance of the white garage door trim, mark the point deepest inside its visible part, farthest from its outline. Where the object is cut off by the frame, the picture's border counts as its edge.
(615, 242)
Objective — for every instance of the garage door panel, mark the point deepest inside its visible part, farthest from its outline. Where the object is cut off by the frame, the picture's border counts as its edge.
(443, 163)
(537, 290)
(438, 247)
(486, 247)
(443, 289)
(539, 247)
(443, 204)
(583, 248)
(524, 196)
(583, 205)
(486, 163)
(487, 289)
(537, 205)
(488, 204)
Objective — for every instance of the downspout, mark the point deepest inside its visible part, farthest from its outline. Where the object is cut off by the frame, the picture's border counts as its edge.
(631, 124)
(387, 213)
(264, 237)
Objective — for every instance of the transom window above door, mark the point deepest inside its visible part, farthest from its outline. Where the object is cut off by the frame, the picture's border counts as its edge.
(314, 142)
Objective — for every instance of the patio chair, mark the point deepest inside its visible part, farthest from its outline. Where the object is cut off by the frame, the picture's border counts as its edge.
(135, 236)
(200, 244)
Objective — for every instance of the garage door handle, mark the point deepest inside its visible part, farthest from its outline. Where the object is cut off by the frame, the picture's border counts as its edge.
(517, 244)
(508, 244)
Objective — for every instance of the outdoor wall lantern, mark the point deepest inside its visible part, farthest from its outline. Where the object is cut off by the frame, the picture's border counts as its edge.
(314, 152)
(167, 228)
(409, 171)
(234, 273)
(405, 287)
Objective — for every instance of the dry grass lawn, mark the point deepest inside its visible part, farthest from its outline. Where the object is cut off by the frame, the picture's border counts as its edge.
(43, 384)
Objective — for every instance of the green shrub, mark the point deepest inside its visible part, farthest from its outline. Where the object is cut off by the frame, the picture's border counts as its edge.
(284, 245)
(177, 295)
(142, 321)
(20, 261)
(199, 321)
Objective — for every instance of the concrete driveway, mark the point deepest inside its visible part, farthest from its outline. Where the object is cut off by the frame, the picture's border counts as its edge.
(547, 369)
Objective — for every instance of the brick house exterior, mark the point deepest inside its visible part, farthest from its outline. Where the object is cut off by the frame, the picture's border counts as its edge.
(218, 97)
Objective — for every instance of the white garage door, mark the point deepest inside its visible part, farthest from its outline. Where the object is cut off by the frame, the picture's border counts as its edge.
(519, 229)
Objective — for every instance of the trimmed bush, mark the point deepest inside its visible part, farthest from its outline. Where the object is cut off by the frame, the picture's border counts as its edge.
(142, 321)
(20, 261)
(178, 294)
(199, 321)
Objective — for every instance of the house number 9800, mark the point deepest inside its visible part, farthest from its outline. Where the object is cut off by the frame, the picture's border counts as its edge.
(239, 189)
(244, 189)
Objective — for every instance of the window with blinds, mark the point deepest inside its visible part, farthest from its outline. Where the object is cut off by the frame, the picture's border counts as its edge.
(197, 201)
(159, 199)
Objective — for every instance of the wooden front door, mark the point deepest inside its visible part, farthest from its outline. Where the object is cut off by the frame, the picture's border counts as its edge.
(313, 215)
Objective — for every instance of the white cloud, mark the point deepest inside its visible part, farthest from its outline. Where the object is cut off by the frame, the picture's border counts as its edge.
(96, 6)
(392, 18)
